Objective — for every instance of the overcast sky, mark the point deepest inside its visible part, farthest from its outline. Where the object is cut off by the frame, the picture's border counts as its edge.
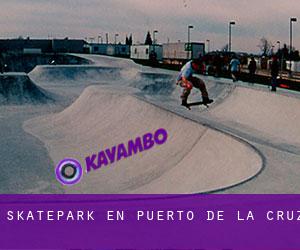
(90, 18)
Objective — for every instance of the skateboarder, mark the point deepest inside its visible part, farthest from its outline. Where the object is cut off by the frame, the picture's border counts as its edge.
(187, 81)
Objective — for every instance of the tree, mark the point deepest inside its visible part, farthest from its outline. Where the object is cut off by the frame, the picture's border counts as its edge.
(265, 46)
(148, 40)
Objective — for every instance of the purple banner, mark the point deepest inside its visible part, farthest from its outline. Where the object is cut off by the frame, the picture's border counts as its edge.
(150, 222)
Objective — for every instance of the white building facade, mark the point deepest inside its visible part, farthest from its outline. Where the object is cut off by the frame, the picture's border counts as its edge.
(121, 50)
(146, 52)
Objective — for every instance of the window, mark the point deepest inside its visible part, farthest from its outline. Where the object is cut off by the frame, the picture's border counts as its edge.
(147, 51)
(96, 49)
(123, 49)
(135, 51)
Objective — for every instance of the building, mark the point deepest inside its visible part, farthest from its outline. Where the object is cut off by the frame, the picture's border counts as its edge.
(146, 52)
(42, 45)
(295, 66)
(68, 45)
(120, 50)
(179, 52)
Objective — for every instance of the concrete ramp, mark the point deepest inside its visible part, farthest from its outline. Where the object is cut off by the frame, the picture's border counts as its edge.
(194, 159)
(109, 61)
(17, 88)
(154, 83)
(259, 112)
(147, 82)
(75, 74)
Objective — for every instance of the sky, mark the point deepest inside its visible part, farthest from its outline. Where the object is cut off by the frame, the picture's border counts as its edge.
(92, 18)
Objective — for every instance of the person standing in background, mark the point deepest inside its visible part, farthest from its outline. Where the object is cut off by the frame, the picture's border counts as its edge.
(235, 68)
(274, 73)
(252, 69)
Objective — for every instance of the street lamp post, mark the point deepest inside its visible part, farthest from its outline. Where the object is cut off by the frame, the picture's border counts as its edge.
(229, 43)
(292, 19)
(208, 45)
(281, 57)
(106, 35)
(100, 37)
(154, 40)
(189, 40)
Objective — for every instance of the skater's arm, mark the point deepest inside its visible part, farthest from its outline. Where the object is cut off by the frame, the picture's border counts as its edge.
(186, 82)
(184, 75)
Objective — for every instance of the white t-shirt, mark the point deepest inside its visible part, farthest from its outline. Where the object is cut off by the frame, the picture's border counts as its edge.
(187, 71)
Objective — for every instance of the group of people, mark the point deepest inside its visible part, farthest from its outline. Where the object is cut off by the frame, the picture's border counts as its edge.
(187, 80)
(252, 67)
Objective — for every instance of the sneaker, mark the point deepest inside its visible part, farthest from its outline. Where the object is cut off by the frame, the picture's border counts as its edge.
(184, 103)
(206, 100)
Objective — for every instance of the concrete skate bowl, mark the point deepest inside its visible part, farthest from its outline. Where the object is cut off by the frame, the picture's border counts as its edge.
(110, 61)
(17, 88)
(74, 74)
(272, 116)
(154, 83)
(20, 62)
(194, 159)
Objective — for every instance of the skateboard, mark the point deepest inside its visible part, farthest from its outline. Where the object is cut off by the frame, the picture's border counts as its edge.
(189, 105)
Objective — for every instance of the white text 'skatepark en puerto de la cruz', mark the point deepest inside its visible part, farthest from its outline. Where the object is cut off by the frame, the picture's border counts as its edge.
(146, 215)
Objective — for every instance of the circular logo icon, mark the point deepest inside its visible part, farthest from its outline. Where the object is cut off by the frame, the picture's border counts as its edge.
(68, 172)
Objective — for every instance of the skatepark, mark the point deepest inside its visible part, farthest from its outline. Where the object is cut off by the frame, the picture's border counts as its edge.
(248, 141)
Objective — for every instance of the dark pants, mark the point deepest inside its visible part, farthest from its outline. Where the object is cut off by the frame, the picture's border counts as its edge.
(274, 83)
(251, 76)
(197, 83)
(235, 75)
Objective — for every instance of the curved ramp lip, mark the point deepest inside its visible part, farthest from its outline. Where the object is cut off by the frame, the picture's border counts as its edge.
(80, 66)
(265, 134)
(14, 74)
(28, 87)
(133, 198)
(246, 143)
(255, 149)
